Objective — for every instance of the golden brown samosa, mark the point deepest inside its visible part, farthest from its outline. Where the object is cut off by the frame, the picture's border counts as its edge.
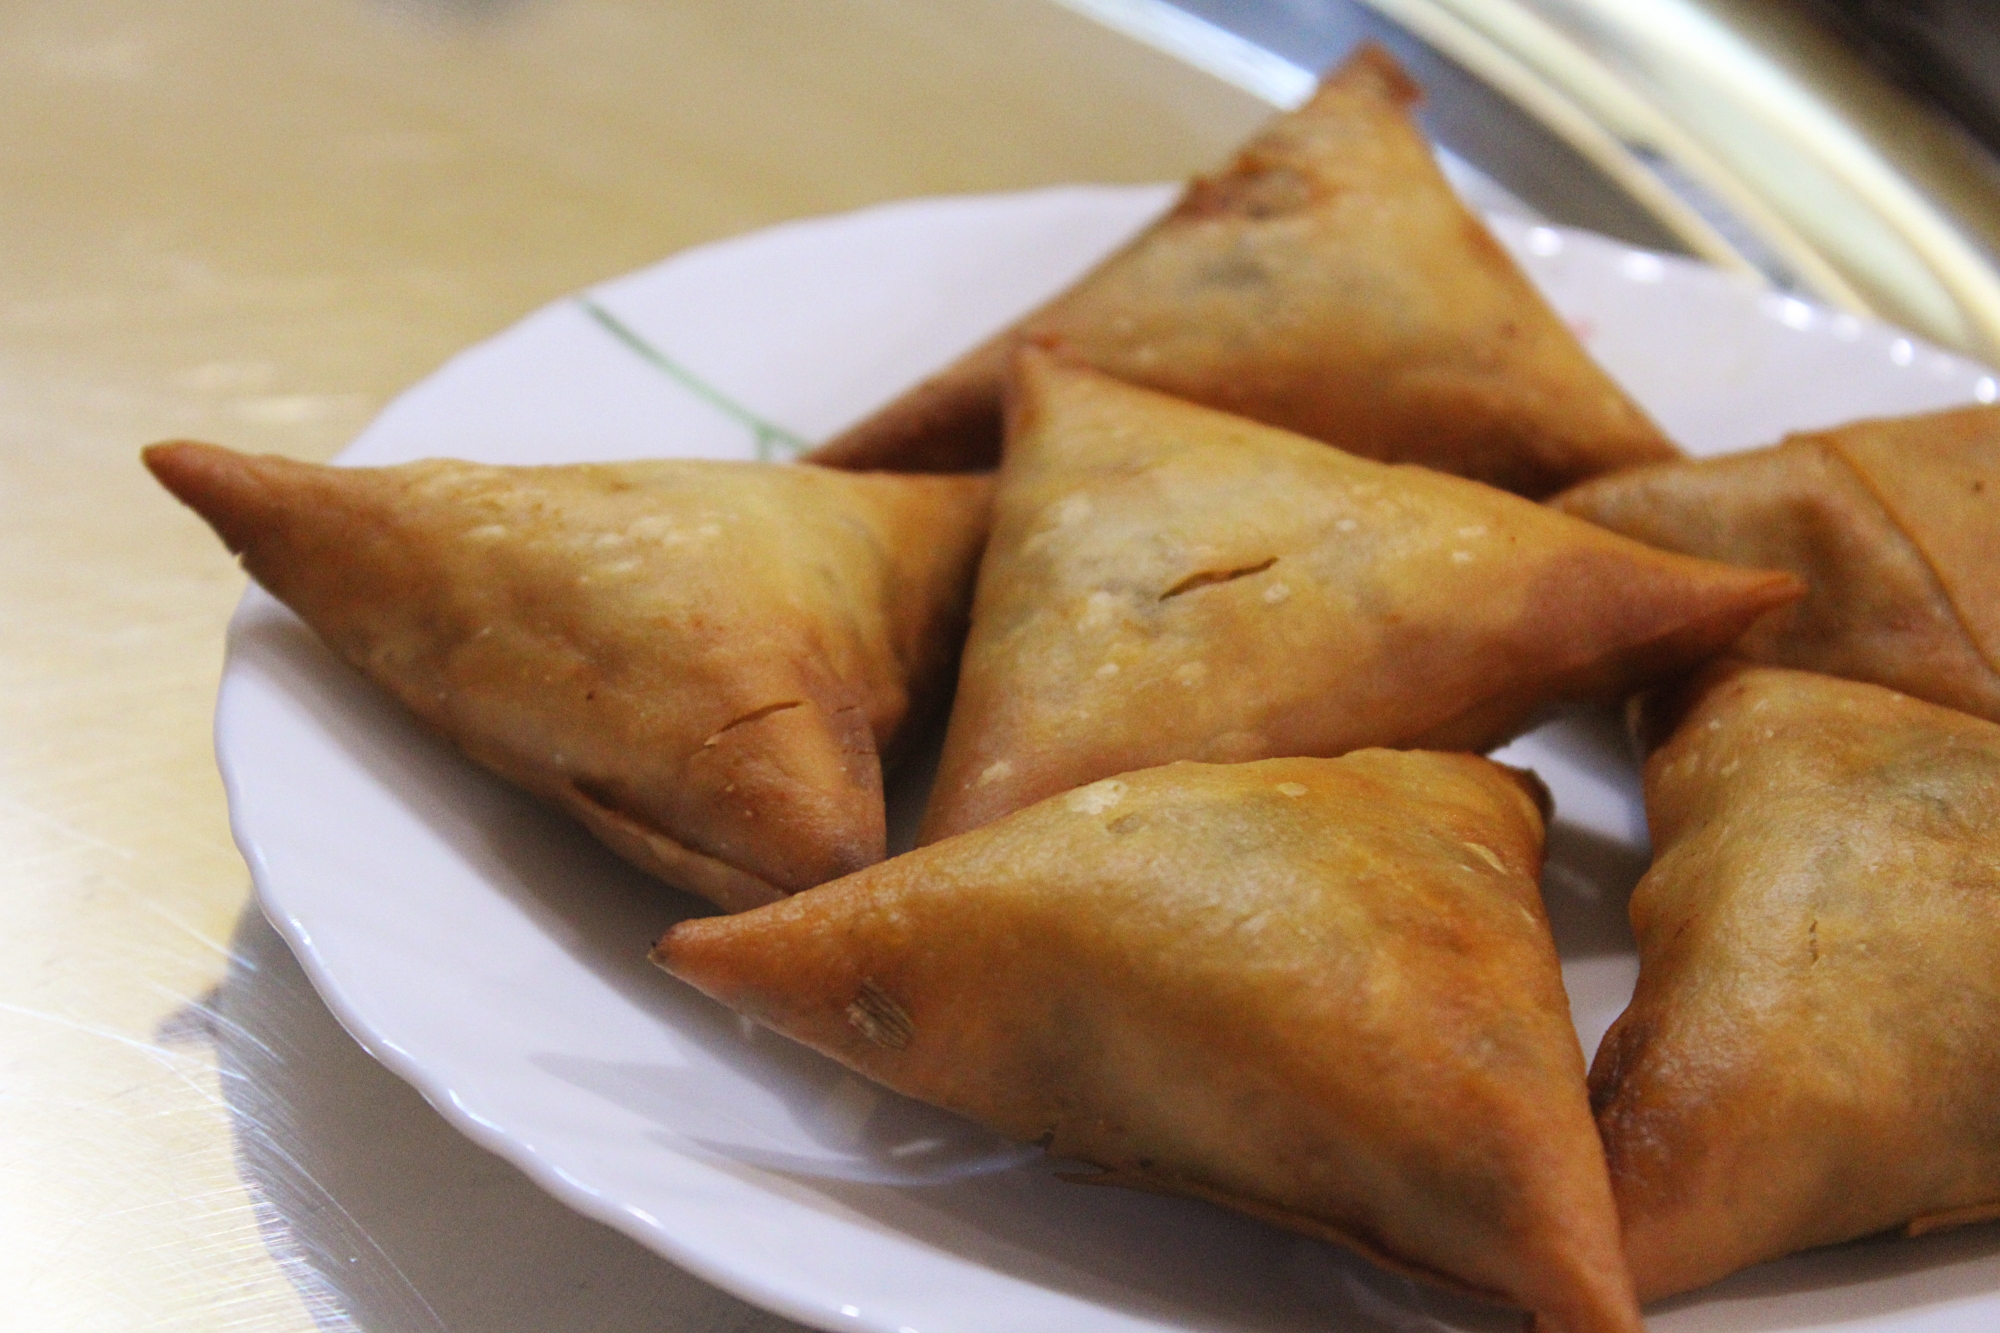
(1322, 992)
(1167, 582)
(1813, 1052)
(1329, 282)
(1891, 523)
(699, 660)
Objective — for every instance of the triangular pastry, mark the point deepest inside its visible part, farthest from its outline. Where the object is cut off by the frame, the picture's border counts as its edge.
(1322, 992)
(1167, 582)
(1329, 282)
(1813, 1051)
(1891, 523)
(699, 660)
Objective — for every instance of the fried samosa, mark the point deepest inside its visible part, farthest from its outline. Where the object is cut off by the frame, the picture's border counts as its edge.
(1891, 524)
(701, 661)
(1322, 992)
(1813, 1051)
(1167, 582)
(1329, 282)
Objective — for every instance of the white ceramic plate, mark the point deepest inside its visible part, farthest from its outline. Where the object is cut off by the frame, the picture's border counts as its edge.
(494, 956)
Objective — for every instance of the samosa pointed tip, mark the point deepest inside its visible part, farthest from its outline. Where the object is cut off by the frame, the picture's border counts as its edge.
(1370, 68)
(225, 487)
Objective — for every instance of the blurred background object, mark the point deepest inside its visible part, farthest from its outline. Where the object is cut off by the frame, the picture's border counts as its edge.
(1945, 51)
(1831, 146)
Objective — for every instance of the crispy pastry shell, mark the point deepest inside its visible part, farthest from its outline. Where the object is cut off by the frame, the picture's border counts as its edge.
(1891, 524)
(1329, 282)
(1813, 1051)
(1165, 581)
(1322, 992)
(699, 660)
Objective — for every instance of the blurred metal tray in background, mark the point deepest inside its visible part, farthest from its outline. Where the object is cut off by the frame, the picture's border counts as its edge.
(1754, 134)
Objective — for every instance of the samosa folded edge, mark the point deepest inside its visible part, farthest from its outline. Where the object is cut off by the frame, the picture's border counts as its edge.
(1888, 522)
